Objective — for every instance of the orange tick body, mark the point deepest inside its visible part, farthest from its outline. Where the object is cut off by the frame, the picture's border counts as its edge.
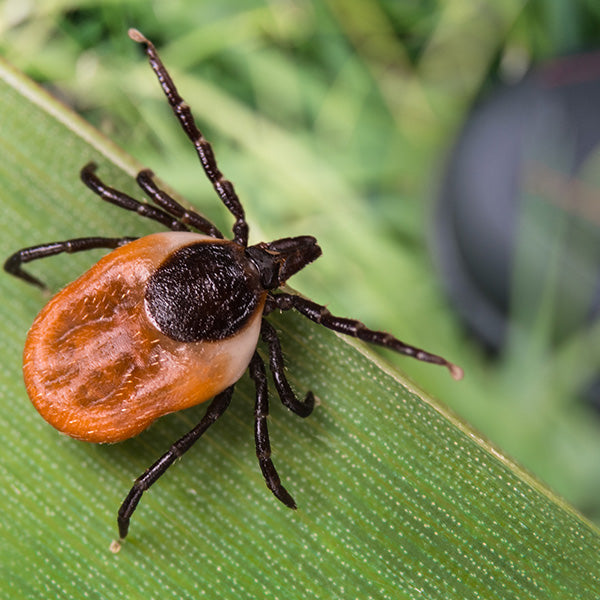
(171, 320)
(97, 365)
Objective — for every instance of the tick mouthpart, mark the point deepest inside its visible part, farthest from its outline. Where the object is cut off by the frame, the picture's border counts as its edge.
(277, 261)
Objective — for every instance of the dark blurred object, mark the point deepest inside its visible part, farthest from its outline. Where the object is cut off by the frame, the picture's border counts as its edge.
(518, 219)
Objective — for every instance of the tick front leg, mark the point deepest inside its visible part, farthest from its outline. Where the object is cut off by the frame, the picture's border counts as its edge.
(13, 263)
(217, 407)
(320, 314)
(261, 433)
(182, 112)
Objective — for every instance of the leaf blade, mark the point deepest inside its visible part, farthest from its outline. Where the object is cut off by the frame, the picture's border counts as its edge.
(397, 497)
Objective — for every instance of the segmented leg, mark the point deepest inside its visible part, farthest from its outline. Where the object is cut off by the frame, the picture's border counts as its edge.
(217, 407)
(288, 398)
(261, 432)
(170, 205)
(320, 314)
(13, 263)
(122, 200)
(222, 186)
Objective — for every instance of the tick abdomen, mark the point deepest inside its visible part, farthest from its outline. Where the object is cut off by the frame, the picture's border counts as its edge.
(98, 367)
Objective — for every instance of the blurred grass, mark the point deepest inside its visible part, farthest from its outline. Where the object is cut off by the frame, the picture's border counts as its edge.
(332, 118)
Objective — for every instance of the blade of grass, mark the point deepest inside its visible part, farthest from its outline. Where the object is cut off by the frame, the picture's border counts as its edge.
(398, 498)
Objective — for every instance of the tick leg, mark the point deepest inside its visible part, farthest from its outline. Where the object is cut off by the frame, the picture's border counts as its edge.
(217, 407)
(170, 205)
(261, 433)
(122, 200)
(320, 314)
(222, 186)
(288, 398)
(13, 263)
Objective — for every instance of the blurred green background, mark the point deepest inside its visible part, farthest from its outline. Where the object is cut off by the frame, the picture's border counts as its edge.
(334, 118)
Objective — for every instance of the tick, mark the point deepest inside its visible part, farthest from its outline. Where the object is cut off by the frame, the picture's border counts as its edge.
(170, 320)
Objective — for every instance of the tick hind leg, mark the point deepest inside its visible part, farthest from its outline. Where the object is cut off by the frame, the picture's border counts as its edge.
(13, 263)
(181, 110)
(217, 407)
(320, 314)
(261, 432)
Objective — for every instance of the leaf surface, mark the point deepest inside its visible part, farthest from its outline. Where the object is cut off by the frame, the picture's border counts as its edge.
(397, 497)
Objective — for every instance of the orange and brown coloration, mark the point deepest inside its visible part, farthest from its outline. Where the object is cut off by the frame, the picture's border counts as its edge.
(171, 320)
(97, 368)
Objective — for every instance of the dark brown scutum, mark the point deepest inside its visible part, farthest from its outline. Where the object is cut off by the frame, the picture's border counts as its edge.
(203, 292)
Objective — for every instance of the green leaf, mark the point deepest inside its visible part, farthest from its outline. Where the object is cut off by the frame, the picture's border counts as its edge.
(397, 498)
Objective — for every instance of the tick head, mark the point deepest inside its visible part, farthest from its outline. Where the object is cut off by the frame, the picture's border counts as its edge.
(277, 261)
